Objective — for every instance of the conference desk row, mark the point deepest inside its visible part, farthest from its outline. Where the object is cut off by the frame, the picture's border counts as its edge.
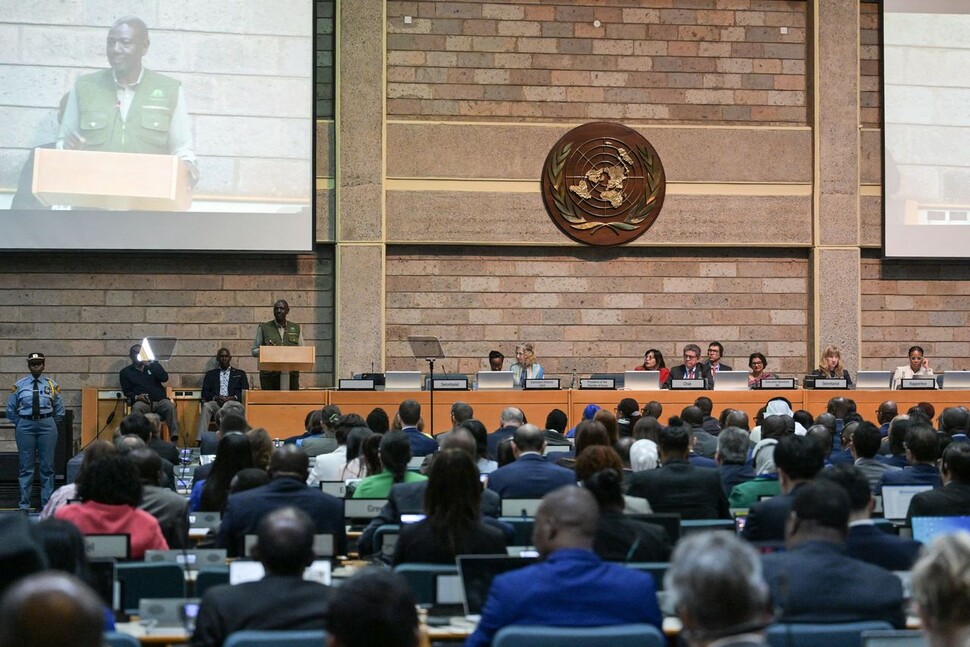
(282, 413)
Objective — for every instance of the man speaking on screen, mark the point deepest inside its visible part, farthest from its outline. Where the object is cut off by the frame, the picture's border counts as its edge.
(129, 109)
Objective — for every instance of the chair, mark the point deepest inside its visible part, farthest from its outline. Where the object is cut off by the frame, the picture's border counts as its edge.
(310, 638)
(657, 571)
(385, 539)
(841, 634)
(210, 576)
(118, 639)
(149, 580)
(634, 635)
(422, 578)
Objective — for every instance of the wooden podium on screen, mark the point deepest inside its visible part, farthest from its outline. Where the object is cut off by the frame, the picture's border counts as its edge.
(286, 359)
(118, 181)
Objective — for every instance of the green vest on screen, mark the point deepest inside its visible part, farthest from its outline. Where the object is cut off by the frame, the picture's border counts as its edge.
(149, 118)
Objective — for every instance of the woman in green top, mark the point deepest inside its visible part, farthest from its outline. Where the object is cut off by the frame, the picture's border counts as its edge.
(395, 454)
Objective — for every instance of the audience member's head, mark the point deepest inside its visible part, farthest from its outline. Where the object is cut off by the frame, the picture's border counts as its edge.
(289, 461)
(505, 452)
(822, 437)
(477, 429)
(395, 454)
(136, 424)
(820, 512)
(528, 438)
(378, 421)
(341, 429)
(628, 407)
(866, 439)
(375, 608)
(955, 420)
(262, 447)
(608, 420)
(886, 412)
(329, 415)
(233, 453)
(827, 420)
(606, 486)
(654, 409)
(112, 480)
(596, 458)
(232, 423)
(63, 545)
(898, 429)
(798, 459)
(803, 417)
(149, 465)
(51, 609)
(853, 480)
(20, 553)
(763, 457)
(93, 452)
(737, 418)
(732, 446)
(460, 412)
(922, 445)
(284, 541)
(774, 427)
(566, 518)
(512, 417)
(623, 447)
(956, 463)
(840, 407)
(644, 455)
(715, 584)
(693, 416)
(705, 404)
(233, 407)
(461, 438)
(452, 499)
(647, 427)
(557, 421)
(941, 591)
(247, 479)
(674, 443)
(589, 433)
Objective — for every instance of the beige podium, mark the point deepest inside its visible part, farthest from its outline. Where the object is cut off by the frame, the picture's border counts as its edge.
(286, 359)
(118, 181)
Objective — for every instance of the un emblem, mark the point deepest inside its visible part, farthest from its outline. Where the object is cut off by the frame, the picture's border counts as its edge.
(603, 184)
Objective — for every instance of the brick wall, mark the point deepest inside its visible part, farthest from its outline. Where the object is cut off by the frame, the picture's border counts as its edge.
(594, 310)
(913, 303)
(324, 49)
(722, 61)
(869, 83)
(84, 311)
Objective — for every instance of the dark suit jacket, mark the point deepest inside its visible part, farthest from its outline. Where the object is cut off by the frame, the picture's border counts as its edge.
(421, 445)
(677, 486)
(165, 449)
(817, 582)
(622, 538)
(171, 510)
(951, 500)
(732, 475)
(766, 519)
(274, 602)
(891, 552)
(245, 509)
(529, 477)
(495, 439)
(569, 588)
(237, 383)
(700, 371)
(418, 543)
(408, 498)
(917, 474)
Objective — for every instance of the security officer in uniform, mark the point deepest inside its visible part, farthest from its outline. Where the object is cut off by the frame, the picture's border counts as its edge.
(278, 332)
(35, 407)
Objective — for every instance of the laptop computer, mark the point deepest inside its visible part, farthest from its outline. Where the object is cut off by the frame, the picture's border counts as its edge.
(731, 381)
(926, 529)
(520, 507)
(191, 559)
(245, 570)
(495, 380)
(641, 380)
(402, 381)
(163, 613)
(956, 380)
(478, 571)
(896, 498)
(107, 546)
(873, 380)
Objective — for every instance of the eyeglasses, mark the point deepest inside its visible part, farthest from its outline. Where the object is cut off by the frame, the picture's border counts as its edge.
(689, 356)
(915, 359)
(757, 362)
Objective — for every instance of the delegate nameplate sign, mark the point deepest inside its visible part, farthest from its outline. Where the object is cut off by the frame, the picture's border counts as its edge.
(597, 383)
(830, 383)
(687, 384)
(543, 384)
(777, 383)
(456, 384)
(918, 383)
(355, 385)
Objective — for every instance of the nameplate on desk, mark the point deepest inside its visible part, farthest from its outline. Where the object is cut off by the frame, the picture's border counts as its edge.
(456, 384)
(543, 384)
(777, 383)
(110, 395)
(188, 394)
(597, 383)
(355, 385)
(831, 383)
(687, 384)
(918, 383)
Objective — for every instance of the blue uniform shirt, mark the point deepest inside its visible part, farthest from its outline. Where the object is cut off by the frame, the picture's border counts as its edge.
(21, 399)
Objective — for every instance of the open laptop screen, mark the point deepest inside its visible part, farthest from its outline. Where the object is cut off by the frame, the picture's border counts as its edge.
(477, 573)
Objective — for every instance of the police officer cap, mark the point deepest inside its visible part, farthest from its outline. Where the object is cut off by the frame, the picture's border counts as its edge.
(35, 357)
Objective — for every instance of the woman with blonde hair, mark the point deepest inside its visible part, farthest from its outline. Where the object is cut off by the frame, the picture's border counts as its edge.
(526, 367)
(830, 366)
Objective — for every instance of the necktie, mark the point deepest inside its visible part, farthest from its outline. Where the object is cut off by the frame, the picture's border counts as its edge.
(35, 402)
(690, 374)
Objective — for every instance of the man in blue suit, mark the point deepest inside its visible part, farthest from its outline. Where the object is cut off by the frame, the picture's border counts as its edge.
(288, 468)
(814, 580)
(409, 412)
(571, 586)
(922, 450)
(530, 475)
(864, 541)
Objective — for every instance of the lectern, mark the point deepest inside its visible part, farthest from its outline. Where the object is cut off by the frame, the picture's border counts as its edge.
(286, 359)
(100, 180)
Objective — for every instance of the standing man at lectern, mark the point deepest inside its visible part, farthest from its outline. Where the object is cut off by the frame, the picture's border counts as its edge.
(278, 332)
(143, 384)
(129, 109)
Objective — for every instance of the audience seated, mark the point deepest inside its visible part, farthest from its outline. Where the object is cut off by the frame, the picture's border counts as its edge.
(866, 439)
(395, 452)
(409, 413)
(954, 497)
(363, 454)
(229, 423)
(813, 580)
(330, 466)
(608, 420)
(288, 470)
(234, 454)
(571, 586)
(556, 423)
(166, 449)
(798, 459)
(170, 509)
(138, 425)
(732, 458)
(596, 458)
(110, 493)
(864, 541)
(375, 608)
(262, 447)
(282, 599)
(677, 486)
(530, 475)
(709, 423)
(510, 420)
(66, 493)
(922, 450)
(480, 434)
(20, 554)
(764, 484)
(51, 609)
(893, 449)
(377, 421)
(588, 433)
(941, 591)
(715, 584)
(453, 525)
(627, 414)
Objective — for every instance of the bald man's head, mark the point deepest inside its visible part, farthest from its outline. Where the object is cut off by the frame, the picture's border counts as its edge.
(566, 518)
(461, 438)
(51, 608)
(284, 541)
(289, 460)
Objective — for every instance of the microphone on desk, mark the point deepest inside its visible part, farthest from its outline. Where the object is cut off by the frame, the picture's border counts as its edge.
(572, 382)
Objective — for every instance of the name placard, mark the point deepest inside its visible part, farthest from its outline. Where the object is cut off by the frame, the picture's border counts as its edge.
(918, 383)
(549, 384)
(777, 383)
(687, 384)
(456, 384)
(597, 383)
(831, 383)
(355, 385)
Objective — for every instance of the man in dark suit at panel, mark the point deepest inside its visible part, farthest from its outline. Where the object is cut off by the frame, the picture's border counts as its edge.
(691, 369)
(530, 475)
(798, 459)
(714, 352)
(219, 386)
(813, 580)
(677, 486)
(282, 599)
(288, 468)
(953, 499)
(864, 541)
